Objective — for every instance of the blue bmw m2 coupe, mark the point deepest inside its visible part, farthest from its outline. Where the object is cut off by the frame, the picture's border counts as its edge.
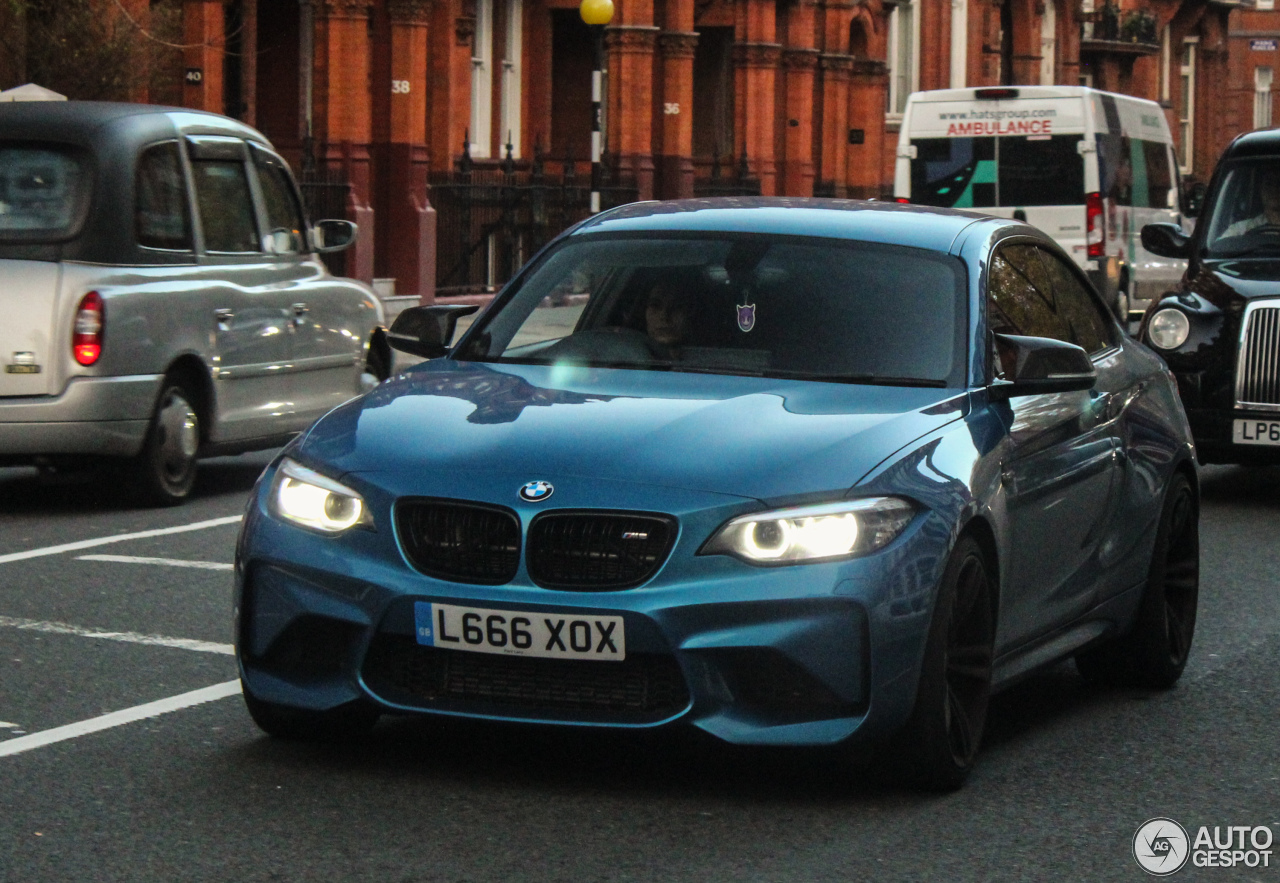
(789, 471)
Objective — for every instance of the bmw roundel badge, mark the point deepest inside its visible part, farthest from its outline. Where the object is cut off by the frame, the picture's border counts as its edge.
(536, 491)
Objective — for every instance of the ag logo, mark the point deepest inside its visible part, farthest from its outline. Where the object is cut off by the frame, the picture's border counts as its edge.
(536, 491)
(1160, 847)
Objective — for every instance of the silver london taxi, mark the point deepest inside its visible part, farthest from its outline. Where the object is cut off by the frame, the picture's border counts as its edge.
(162, 294)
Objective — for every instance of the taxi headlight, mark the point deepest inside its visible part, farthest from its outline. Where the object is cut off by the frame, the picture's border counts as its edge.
(1169, 328)
(812, 533)
(304, 496)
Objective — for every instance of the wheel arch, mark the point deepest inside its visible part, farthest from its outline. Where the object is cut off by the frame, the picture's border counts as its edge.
(377, 347)
(192, 373)
(979, 528)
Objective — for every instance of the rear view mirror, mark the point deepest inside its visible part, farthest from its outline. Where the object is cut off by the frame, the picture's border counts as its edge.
(1039, 365)
(1166, 240)
(333, 235)
(427, 331)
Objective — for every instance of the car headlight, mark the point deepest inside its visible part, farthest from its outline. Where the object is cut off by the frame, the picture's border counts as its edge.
(306, 497)
(1169, 328)
(812, 533)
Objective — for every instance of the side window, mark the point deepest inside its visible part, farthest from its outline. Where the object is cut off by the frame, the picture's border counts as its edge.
(285, 226)
(161, 215)
(1159, 176)
(1020, 295)
(1086, 325)
(226, 207)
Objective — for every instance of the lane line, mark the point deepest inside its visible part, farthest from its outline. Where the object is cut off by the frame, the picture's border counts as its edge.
(63, 628)
(118, 718)
(119, 538)
(169, 562)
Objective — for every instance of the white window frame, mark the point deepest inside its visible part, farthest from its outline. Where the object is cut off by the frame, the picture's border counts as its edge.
(1166, 59)
(1263, 76)
(1187, 107)
(1264, 5)
(959, 43)
(512, 74)
(1049, 44)
(897, 98)
(482, 82)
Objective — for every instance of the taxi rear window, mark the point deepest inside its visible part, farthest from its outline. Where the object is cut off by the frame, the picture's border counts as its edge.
(43, 192)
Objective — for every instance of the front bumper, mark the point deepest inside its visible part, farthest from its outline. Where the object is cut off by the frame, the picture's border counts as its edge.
(1213, 430)
(802, 655)
(105, 416)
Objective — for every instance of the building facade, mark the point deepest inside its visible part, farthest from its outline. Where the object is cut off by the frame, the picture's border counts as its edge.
(398, 101)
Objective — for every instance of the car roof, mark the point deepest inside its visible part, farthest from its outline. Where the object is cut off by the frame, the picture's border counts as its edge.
(867, 220)
(1264, 142)
(89, 123)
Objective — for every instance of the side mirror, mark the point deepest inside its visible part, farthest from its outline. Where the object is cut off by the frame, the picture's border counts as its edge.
(1039, 365)
(427, 331)
(1166, 240)
(333, 235)
(1193, 199)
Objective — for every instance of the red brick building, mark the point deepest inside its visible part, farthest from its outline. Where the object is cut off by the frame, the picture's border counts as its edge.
(800, 97)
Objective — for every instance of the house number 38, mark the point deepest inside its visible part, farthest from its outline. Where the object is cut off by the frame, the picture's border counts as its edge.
(399, 87)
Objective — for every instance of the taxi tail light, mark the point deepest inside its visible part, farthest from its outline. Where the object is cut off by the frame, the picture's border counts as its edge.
(902, 199)
(86, 333)
(1095, 229)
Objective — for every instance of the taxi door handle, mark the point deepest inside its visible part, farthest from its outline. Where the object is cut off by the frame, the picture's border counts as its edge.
(300, 313)
(223, 317)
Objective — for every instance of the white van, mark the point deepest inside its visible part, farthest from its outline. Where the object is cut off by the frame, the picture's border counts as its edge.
(1088, 168)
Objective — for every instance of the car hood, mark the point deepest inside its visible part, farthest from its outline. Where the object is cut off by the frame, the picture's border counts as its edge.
(744, 436)
(1247, 278)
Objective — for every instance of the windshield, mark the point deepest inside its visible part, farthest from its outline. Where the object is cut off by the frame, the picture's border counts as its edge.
(775, 307)
(42, 192)
(985, 172)
(1246, 213)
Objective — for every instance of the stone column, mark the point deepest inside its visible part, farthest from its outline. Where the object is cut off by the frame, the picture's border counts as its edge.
(630, 49)
(756, 99)
(799, 65)
(868, 88)
(343, 115)
(675, 159)
(203, 35)
(411, 248)
(836, 69)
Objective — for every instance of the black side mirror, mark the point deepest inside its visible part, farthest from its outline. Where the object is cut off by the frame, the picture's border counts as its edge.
(1166, 240)
(1193, 199)
(333, 235)
(427, 331)
(1039, 365)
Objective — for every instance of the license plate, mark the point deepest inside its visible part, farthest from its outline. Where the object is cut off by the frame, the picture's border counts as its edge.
(517, 633)
(1256, 432)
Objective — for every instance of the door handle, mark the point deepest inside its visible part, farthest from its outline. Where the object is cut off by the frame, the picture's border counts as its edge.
(223, 317)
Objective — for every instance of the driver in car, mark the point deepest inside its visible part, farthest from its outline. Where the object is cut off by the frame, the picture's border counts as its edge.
(668, 317)
(1269, 190)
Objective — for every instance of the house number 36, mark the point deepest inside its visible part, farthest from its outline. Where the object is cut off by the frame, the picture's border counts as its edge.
(671, 107)
(399, 87)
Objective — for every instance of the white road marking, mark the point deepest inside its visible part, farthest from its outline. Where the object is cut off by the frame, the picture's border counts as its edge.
(117, 718)
(62, 628)
(169, 562)
(119, 538)
(8, 726)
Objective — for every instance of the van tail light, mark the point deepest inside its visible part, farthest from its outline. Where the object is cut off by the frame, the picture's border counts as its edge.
(1095, 225)
(86, 335)
(902, 199)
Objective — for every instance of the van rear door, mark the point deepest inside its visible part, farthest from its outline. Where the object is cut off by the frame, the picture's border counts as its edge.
(29, 339)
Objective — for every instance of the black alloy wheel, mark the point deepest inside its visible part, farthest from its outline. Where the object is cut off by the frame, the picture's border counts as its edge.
(165, 471)
(938, 746)
(1154, 652)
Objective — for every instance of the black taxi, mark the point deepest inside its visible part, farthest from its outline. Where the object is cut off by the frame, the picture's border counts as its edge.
(1219, 331)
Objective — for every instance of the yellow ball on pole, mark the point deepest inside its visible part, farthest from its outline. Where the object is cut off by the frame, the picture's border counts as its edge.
(596, 12)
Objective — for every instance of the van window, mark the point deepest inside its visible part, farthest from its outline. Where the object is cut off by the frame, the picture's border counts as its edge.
(986, 172)
(1133, 172)
(43, 192)
(1159, 174)
(161, 216)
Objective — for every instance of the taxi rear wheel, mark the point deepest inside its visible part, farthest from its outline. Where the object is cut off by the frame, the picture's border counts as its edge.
(165, 471)
(938, 746)
(1154, 652)
(298, 724)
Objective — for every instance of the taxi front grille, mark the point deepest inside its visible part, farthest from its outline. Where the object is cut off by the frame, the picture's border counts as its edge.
(1258, 372)
(466, 542)
(643, 688)
(595, 551)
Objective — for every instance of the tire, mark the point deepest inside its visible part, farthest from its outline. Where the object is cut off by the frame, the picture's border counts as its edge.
(376, 369)
(1153, 654)
(165, 471)
(342, 724)
(938, 746)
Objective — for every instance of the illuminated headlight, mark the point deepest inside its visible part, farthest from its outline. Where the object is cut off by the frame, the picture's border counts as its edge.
(306, 497)
(1169, 328)
(812, 533)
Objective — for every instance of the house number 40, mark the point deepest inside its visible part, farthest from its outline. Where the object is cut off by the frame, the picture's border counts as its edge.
(399, 87)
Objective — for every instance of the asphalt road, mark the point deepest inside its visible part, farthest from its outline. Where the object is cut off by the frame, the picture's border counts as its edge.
(1067, 775)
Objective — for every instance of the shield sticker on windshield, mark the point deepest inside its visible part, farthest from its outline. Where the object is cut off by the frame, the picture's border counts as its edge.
(746, 316)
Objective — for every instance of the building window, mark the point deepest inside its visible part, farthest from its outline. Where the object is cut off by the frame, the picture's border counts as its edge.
(482, 80)
(1187, 107)
(496, 77)
(1048, 45)
(1265, 4)
(511, 76)
(1166, 59)
(1262, 97)
(904, 54)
